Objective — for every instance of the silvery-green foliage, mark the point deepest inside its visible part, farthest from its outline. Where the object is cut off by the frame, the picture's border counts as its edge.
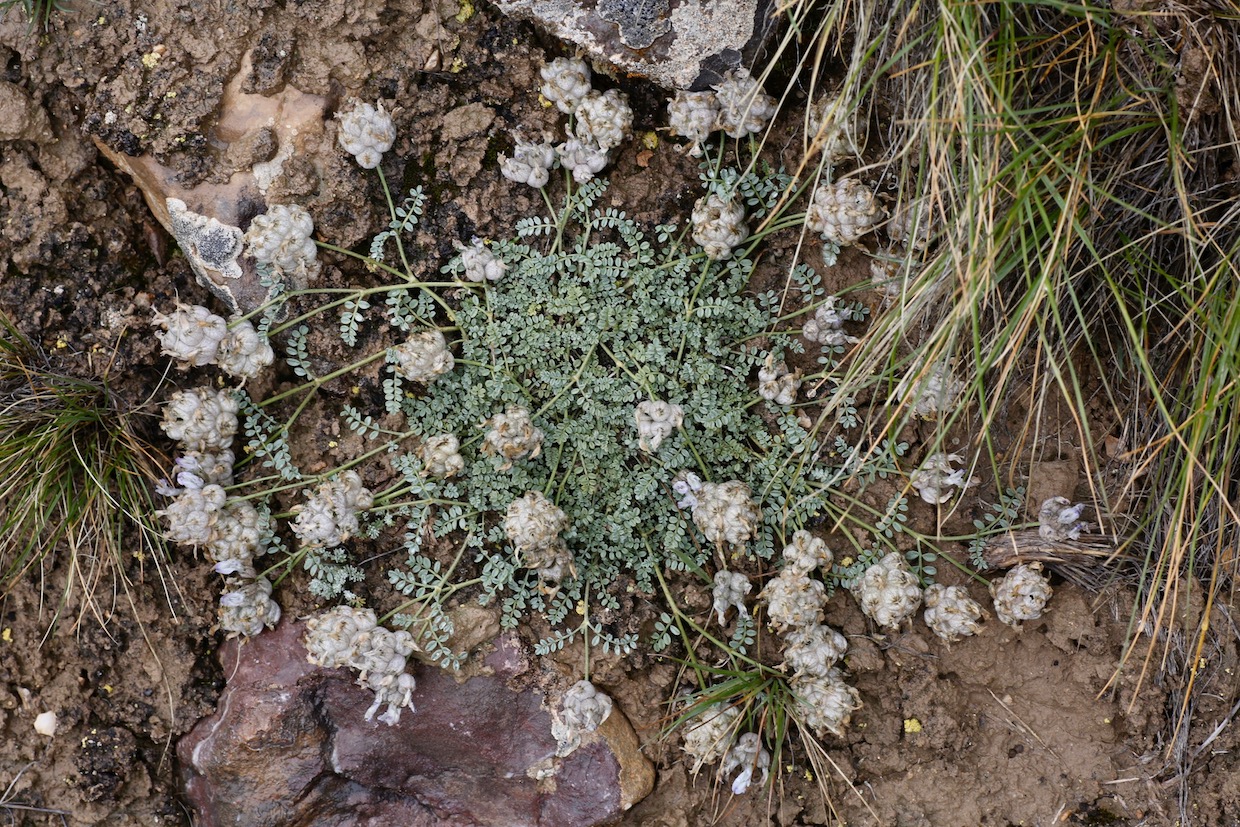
(408, 213)
(1001, 516)
(297, 352)
(578, 334)
(266, 439)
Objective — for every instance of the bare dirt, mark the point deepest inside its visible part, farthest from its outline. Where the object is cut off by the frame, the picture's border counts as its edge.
(1008, 728)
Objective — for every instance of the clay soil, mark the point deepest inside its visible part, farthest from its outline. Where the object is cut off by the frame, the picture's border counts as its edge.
(1008, 728)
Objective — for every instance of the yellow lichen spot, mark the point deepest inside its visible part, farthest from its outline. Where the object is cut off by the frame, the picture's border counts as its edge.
(457, 66)
(170, 95)
(331, 443)
(7, 635)
(650, 140)
(912, 726)
(355, 390)
(1106, 720)
(581, 608)
(150, 60)
(61, 343)
(466, 12)
(543, 102)
(107, 687)
(809, 775)
(846, 562)
(101, 21)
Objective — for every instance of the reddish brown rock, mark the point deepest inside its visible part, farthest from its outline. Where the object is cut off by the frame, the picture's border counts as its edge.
(288, 746)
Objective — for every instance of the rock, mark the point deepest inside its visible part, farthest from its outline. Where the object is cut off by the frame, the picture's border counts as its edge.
(678, 44)
(288, 746)
(21, 119)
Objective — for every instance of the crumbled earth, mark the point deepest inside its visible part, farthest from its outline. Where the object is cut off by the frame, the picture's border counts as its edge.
(1007, 728)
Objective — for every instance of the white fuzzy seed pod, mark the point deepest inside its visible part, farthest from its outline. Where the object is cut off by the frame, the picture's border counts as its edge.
(825, 702)
(827, 325)
(604, 119)
(583, 709)
(328, 518)
(709, 735)
(192, 516)
(282, 237)
(934, 392)
(778, 384)
(1022, 594)
(656, 420)
(511, 435)
(693, 115)
(806, 553)
(951, 613)
(843, 211)
(423, 358)
(566, 82)
(480, 263)
(441, 456)
(201, 419)
(533, 521)
(366, 132)
(530, 164)
(794, 600)
(749, 757)
(936, 478)
(686, 486)
(744, 109)
(1059, 520)
(192, 335)
(235, 540)
(583, 159)
(244, 352)
(247, 608)
(333, 637)
(719, 225)
(726, 513)
(839, 132)
(730, 590)
(205, 468)
(888, 591)
(910, 224)
(813, 650)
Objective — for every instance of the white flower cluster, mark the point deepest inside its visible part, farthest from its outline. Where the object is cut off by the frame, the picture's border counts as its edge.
(511, 435)
(737, 106)
(832, 127)
(813, 650)
(1022, 594)
(778, 384)
(481, 265)
(794, 599)
(193, 513)
(246, 607)
(730, 590)
(604, 119)
(530, 164)
(282, 238)
(366, 132)
(934, 392)
(749, 756)
(1059, 520)
(888, 591)
(726, 513)
(910, 224)
(196, 337)
(686, 485)
(951, 613)
(441, 456)
(423, 358)
(719, 225)
(344, 636)
(566, 82)
(201, 419)
(936, 478)
(826, 703)
(843, 211)
(656, 420)
(827, 325)
(533, 525)
(328, 518)
(806, 553)
(709, 735)
(583, 709)
(582, 158)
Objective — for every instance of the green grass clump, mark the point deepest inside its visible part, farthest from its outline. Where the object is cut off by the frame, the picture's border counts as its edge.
(74, 478)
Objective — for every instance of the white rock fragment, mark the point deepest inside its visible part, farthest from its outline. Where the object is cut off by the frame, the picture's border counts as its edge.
(726, 513)
(825, 703)
(329, 517)
(533, 521)
(827, 325)
(951, 613)
(888, 591)
(709, 735)
(929, 394)
(210, 246)
(843, 211)
(730, 590)
(511, 436)
(693, 115)
(748, 756)
(812, 650)
(530, 164)
(480, 264)
(201, 419)
(719, 225)
(1060, 520)
(45, 724)
(936, 478)
(366, 132)
(604, 119)
(656, 420)
(744, 109)
(423, 358)
(778, 384)
(566, 82)
(192, 335)
(1022, 594)
(794, 600)
(244, 352)
(282, 238)
(441, 456)
(583, 709)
